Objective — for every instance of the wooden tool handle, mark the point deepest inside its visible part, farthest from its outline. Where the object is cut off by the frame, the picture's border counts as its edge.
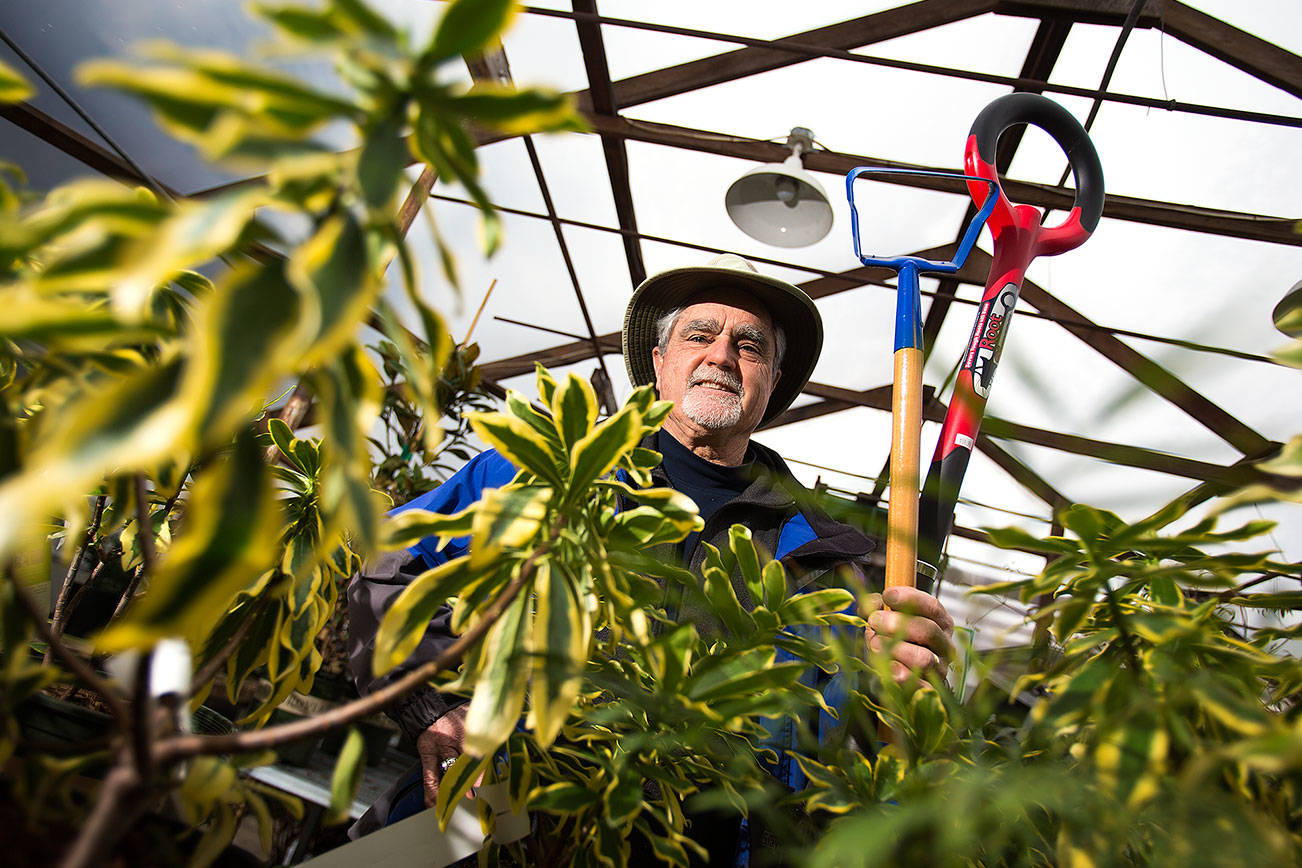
(906, 434)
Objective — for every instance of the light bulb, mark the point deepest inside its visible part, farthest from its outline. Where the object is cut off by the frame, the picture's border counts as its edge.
(787, 191)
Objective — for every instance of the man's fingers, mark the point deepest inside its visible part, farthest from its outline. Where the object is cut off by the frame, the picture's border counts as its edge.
(430, 779)
(915, 602)
(906, 657)
(911, 629)
(438, 747)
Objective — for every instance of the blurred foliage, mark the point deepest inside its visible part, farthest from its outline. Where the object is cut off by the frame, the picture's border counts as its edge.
(140, 343)
(1163, 724)
(142, 339)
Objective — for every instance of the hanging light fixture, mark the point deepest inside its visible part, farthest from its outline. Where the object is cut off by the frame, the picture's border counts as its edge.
(780, 203)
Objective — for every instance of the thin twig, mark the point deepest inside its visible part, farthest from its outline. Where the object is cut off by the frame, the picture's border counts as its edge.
(79, 667)
(127, 593)
(185, 746)
(75, 603)
(61, 604)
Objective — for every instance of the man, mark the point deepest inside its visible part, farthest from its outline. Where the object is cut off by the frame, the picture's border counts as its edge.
(732, 349)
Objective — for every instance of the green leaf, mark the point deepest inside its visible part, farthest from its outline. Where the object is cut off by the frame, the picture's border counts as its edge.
(221, 550)
(670, 656)
(502, 676)
(130, 424)
(336, 288)
(507, 519)
(13, 87)
(546, 383)
(574, 406)
(1289, 460)
(563, 798)
(810, 607)
(364, 18)
(457, 781)
(1285, 600)
(597, 453)
(774, 580)
(1071, 613)
(519, 443)
(306, 24)
(520, 408)
(195, 233)
(724, 603)
(518, 111)
(648, 526)
(405, 621)
(380, 164)
(743, 550)
(746, 682)
(413, 525)
(244, 344)
(561, 631)
(466, 28)
(1016, 538)
(346, 778)
(519, 772)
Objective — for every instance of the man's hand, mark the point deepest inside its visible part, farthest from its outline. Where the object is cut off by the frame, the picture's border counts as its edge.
(920, 628)
(442, 743)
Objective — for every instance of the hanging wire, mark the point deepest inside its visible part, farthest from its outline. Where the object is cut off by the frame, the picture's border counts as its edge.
(1128, 25)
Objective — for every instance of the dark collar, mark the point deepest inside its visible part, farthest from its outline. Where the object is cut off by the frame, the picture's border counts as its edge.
(776, 488)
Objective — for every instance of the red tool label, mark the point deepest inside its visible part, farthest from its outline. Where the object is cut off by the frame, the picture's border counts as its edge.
(987, 340)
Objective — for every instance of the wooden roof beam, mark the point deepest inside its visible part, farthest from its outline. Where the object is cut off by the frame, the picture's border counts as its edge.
(836, 399)
(732, 65)
(601, 96)
(1194, 218)
(1253, 55)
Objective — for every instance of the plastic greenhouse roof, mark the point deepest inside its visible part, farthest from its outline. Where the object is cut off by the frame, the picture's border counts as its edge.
(1192, 275)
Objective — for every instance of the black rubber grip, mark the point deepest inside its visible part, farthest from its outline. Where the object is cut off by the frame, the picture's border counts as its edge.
(1031, 108)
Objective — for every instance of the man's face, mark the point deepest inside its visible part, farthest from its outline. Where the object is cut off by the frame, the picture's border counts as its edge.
(718, 365)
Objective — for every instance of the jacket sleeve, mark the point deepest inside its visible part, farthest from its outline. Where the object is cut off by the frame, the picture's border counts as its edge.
(384, 577)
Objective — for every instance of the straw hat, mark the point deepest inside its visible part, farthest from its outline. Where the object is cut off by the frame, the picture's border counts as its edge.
(788, 306)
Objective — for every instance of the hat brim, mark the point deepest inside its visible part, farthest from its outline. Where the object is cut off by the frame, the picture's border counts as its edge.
(789, 307)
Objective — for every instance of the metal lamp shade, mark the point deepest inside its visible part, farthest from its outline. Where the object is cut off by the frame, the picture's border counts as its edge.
(780, 204)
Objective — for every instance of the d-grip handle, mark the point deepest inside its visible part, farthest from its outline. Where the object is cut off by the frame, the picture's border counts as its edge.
(1031, 108)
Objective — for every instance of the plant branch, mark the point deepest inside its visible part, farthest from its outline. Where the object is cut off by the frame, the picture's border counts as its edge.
(61, 604)
(182, 747)
(76, 665)
(75, 602)
(127, 593)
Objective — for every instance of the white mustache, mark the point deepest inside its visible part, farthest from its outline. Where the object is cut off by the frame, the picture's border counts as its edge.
(725, 379)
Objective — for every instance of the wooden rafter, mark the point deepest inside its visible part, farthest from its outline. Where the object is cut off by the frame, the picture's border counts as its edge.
(1194, 218)
(732, 65)
(1253, 55)
(602, 97)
